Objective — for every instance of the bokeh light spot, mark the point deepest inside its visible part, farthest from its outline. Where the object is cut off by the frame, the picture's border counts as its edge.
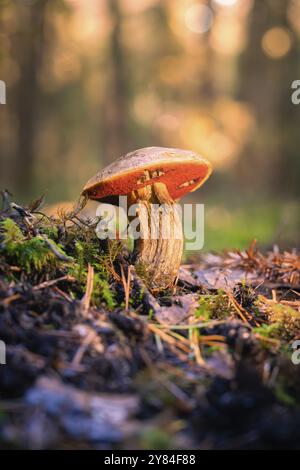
(226, 3)
(198, 18)
(276, 42)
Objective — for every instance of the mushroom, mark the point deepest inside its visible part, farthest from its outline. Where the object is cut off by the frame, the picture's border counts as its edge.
(153, 178)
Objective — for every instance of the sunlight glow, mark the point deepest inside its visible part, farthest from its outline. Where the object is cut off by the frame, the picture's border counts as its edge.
(199, 18)
(226, 3)
(276, 42)
(228, 36)
(293, 15)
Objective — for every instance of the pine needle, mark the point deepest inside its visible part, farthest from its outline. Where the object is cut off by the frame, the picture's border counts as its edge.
(85, 301)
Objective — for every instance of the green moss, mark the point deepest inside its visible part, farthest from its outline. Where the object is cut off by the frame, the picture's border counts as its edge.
(80, 247)
(51, 231)
(150, 314)
(78, 269)
(29, 254)
(284, 322)
(271, 330)
(213, 306)
(102, 291)
(12, 233)
(204, 311)
(88, 252)
(287, 318)
(156, 439)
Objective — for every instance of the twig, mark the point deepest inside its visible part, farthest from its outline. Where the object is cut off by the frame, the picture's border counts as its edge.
(126, 286)
(21, 210)
(191, 326)
(238, 308)
(291, 303)
(179, 337)
(54, 250)
(169, 339)
(86, 299)
(215, 338)
(10, 299)
(196, 347)
(274, 341)
(44, 285)
(80, 205)
(63, 294)
(82, 348)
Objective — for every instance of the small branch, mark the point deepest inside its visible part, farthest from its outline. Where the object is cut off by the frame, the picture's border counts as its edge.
(240, 310)
(196, 347)
(90, 337)
(169, 339)
(126, 285)
(86, 300)
(46, 284)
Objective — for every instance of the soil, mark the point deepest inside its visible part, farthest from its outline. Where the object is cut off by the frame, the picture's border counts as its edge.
(208, 364)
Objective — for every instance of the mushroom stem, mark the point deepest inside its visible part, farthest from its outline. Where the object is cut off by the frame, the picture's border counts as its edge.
(159, 249)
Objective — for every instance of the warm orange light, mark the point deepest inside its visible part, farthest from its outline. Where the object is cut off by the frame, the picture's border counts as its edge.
(293, 14)
(276, 42)
(168, 122)
(226, 3)
(198, 18)
(135, 7)
(228, 36)
(146, 108)
(171, 70)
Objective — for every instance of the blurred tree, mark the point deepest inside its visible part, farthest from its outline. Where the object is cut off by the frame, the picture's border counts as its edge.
(266, 73)
(29, 52)
(115, 133)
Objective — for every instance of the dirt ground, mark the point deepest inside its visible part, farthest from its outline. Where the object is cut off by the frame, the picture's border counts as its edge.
(96, 360)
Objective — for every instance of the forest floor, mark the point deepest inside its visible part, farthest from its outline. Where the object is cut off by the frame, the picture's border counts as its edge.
(96, 360)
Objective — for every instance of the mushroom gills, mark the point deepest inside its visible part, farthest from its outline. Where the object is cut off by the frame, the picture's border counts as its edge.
(188, 183)
(149, 175)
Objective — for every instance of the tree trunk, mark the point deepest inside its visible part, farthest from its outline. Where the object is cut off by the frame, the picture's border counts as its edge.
(266, 84)
(115, 107)
(29, 46)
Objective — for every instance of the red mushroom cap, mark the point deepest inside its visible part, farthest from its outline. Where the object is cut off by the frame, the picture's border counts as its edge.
(182, 171)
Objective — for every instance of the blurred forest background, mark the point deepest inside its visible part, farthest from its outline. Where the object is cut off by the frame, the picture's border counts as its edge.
(88, 80)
